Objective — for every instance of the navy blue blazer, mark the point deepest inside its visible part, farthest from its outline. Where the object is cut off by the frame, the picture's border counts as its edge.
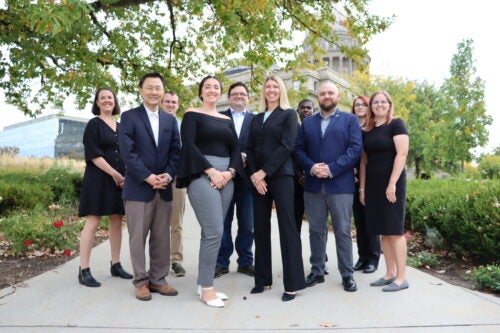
(141, 156)
(243, 141)
(340, 148)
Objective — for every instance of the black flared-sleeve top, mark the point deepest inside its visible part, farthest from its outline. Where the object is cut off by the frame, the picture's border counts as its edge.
(202, 135)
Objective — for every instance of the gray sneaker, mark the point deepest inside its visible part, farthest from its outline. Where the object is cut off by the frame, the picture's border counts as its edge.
(178, 269)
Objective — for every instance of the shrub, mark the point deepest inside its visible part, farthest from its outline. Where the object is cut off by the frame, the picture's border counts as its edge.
(26, 188)
(490, 167)
(422, 259)
(41, 229)
(466, 214)
(20, 194)
(488, 277)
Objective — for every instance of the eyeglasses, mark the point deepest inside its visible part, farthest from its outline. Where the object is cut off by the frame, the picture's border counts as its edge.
(307, 107)
(357, 105)
(380, 102)
(238, 94)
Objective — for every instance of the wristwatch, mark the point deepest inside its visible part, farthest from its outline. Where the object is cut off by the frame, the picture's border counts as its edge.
(232, 172)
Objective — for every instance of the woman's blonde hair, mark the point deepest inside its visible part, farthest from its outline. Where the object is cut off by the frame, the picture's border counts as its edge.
(283, 102)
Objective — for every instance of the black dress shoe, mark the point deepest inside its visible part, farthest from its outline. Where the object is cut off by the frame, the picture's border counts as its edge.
(370, 268)
(287, 297)
(86, 278)
(359, 265)
(259, 289)
(312, 279)
(248, 270)
(219, 270)
(117, 270)
(349, 284)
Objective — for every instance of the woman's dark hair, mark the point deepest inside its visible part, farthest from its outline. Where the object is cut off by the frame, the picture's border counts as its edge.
(95, 108)
(200, 87)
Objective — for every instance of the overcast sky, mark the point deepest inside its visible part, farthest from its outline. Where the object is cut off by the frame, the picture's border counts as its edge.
(421, 42)
(418, 46)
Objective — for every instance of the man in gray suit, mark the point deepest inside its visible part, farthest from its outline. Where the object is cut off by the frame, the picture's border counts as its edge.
(150, 147)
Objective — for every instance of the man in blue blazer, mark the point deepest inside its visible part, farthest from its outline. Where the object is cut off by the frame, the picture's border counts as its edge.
(150, 146)
(328, 147)
(238, 100)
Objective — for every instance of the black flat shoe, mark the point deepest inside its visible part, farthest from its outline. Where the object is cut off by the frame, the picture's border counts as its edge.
(86, 278)
(259, 289)
(359, 265)
(370, 268)
(287, 297)
(117, 270)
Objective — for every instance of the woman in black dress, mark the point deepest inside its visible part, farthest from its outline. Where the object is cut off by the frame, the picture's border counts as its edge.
(368, 244)
(102, 182)
(269, 155)
(383, 186)
(210, 158)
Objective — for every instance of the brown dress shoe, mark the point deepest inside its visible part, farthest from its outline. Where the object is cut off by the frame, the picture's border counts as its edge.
(142, 293)
(165, 290)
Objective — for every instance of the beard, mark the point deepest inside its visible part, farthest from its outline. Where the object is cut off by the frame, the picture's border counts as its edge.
(328, 105)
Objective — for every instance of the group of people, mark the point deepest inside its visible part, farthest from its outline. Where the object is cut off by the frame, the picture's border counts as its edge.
(332, 163)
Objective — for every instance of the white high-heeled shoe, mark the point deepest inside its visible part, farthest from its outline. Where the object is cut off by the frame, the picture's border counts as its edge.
(219, 294)
(216, 303)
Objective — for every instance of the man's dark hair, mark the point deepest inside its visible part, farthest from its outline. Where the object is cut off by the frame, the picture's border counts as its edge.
(305, 101)
(151, 75)
(237, 84)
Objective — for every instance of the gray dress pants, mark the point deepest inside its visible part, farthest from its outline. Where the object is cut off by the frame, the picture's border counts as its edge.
(210, 206)
(318, 205)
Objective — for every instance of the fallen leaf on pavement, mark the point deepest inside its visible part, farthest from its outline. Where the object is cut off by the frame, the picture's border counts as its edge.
(327, 324)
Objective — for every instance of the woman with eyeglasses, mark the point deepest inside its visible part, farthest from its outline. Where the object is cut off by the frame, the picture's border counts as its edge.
(382, 188)
(368, 244)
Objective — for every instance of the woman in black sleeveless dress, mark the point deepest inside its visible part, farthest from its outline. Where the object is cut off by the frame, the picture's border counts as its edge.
(383, 186)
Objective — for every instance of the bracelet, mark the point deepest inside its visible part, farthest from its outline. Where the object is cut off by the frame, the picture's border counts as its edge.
(361, 190)
(232, 172)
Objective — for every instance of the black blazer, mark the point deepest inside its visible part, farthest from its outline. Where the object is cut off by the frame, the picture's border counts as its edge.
(271, 143)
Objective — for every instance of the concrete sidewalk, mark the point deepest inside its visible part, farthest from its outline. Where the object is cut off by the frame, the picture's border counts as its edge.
(55, 302)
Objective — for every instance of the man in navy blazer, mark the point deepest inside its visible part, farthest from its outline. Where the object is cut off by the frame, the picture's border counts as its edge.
(150, 146)
(328, 147)
(238, 100)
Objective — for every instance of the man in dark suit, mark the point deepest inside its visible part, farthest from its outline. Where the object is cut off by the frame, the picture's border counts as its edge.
(242, 197)
(150, 146)
(328, 148)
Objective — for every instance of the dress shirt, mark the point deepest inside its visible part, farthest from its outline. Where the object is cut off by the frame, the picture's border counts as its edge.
(266, 115)
(325, 121)
(238, 118)
(154, 120)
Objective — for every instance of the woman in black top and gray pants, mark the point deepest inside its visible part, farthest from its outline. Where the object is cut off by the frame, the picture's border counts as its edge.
(210, 158)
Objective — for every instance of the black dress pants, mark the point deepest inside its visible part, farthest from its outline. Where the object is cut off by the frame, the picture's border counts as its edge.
(280, 189)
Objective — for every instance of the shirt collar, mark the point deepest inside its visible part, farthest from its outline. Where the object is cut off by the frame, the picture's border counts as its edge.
(151, 113)
(330, 116)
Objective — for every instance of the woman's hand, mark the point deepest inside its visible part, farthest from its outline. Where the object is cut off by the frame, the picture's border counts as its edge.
(257, 176)
(261, 187)
(390, 193)
(362, 197)
(118, 179)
